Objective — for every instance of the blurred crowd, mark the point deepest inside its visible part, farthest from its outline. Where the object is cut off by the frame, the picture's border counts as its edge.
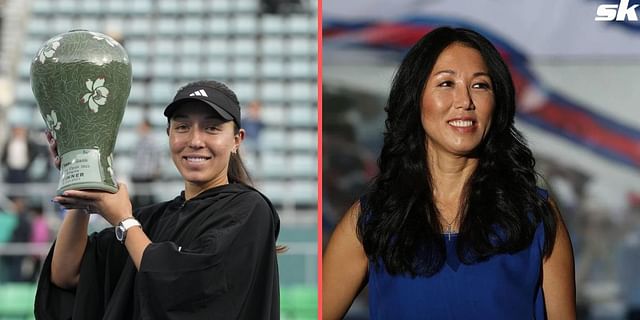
(22, 223)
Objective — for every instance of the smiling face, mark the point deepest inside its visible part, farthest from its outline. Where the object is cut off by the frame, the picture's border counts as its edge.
(201, 144)
(457, 101)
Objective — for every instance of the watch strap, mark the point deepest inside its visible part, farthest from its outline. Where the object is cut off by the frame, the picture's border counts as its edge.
(127, 224)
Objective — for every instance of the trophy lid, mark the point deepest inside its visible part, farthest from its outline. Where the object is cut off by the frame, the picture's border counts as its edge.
(80, 46)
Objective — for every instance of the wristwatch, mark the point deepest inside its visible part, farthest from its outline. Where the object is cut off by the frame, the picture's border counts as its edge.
(123, 226)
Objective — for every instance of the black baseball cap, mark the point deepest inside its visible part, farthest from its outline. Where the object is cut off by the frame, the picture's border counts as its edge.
(227, 108)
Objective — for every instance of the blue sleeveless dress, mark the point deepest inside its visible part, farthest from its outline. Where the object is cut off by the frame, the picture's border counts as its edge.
(507, 286)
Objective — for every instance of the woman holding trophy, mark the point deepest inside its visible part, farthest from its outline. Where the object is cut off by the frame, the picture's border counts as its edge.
(208, 253)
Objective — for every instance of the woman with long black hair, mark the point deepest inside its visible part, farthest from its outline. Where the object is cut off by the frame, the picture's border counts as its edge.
(454, 225)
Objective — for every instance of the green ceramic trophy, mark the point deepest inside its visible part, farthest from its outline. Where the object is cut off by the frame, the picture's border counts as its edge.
(81, 81)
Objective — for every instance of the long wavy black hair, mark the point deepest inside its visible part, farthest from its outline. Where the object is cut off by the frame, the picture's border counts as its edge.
(399, 224)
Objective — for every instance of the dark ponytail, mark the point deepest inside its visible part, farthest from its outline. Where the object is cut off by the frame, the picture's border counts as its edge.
(237, 171)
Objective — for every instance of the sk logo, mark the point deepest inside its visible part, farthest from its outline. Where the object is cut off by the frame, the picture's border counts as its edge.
(622, 12)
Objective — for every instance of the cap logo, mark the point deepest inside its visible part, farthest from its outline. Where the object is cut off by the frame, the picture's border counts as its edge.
(199, 93)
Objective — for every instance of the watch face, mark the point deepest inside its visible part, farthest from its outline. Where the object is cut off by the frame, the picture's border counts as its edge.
(120, 233)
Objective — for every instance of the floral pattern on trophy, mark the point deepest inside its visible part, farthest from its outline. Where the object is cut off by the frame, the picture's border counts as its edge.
(53, 124)
(98, 94)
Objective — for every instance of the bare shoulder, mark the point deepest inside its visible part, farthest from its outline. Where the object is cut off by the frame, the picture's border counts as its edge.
(345, 241)
(562, 239)
(344, 266)
(558, 273)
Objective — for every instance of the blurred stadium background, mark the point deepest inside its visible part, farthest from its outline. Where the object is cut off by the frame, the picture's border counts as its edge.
(577, 83)
(264, 50)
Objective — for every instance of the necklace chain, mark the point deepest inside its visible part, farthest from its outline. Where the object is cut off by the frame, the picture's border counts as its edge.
(448, 230)
(449, 225)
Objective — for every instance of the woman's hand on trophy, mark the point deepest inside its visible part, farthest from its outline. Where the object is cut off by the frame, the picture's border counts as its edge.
(53, 149)
(114, 207)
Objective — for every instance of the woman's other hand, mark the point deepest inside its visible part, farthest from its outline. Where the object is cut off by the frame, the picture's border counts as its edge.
(53, 149)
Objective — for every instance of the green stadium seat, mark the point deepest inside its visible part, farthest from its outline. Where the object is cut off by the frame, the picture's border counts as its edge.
(299, 302)
(16, 300)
